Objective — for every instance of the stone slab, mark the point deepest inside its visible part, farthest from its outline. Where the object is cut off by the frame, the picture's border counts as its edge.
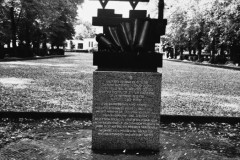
(126, 110)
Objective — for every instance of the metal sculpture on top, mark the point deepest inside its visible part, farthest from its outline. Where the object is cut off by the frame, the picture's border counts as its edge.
(128, 43)
(132, 2)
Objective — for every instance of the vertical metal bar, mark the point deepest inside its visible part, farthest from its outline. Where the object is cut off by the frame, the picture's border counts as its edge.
(160, 9)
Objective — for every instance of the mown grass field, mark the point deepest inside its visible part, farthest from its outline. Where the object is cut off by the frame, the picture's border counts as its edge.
(47, 85)
(65, 85)
(200, 90)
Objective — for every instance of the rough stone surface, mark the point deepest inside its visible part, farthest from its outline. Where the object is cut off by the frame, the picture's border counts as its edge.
(126, 110)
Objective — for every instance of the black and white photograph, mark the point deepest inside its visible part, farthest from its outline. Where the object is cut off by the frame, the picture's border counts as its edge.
(119, 79)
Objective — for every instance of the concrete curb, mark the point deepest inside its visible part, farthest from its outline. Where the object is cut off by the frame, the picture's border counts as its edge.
(204, 64)
(44, 115)
(88, 116)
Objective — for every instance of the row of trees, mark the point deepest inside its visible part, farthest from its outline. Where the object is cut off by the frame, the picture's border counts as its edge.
(33, 23)
(197, 25)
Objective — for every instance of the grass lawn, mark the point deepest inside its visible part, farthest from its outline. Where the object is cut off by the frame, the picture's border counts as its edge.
(200, 90)
(47, 85)
(65, 85)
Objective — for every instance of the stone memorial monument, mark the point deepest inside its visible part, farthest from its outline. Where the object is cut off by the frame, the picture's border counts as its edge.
(126, 85)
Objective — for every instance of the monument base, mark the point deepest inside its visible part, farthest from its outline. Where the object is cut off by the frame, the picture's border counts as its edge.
(126, 110)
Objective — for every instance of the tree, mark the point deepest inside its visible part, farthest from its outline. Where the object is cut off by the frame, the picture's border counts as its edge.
(215, 28)
(62, 27)
(223, 22)
(231, 25)
(12, 13)
(38, 21)
(175, 28)
(85, 30)
(210, 25)
(187, 25)
(5, 34)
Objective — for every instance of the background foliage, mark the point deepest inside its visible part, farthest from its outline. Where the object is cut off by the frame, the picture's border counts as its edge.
(209, 26)
(36, 23)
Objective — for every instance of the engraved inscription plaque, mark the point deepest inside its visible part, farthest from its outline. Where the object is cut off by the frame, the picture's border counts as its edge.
(126, 110)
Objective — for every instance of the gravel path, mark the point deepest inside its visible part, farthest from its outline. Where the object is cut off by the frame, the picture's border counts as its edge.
(71, 139)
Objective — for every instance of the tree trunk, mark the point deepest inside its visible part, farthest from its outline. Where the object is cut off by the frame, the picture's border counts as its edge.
(181, 53)
(234, 54)
(181, 50)
(199, 43)
(190, 51)
(36, 47)
(171, 52)
(9, 44)
(44, 47)
(27, 36)
(231, 54)
(194, 51)
(175, 52)
(222, 57)
(213, 52)
(222, 50)
(189, 47)
(2, 54)
(13, 30)
(199, 54)
(28, 41)
(199, 48)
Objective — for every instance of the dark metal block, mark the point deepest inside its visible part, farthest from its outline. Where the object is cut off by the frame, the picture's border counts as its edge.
(117, 15)
(125, 0)
(137, 13)
(108, 21)
(158, 29)
(105, 12)
(108, 13)
(127, 61)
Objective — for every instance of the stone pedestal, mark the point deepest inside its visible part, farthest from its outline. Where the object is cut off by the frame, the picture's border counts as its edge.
(126, 110)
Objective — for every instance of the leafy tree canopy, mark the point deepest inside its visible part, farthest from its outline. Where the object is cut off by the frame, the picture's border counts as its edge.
(84, 30)
(48, 19)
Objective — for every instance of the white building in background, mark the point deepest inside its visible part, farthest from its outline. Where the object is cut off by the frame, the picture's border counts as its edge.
(86, 44)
